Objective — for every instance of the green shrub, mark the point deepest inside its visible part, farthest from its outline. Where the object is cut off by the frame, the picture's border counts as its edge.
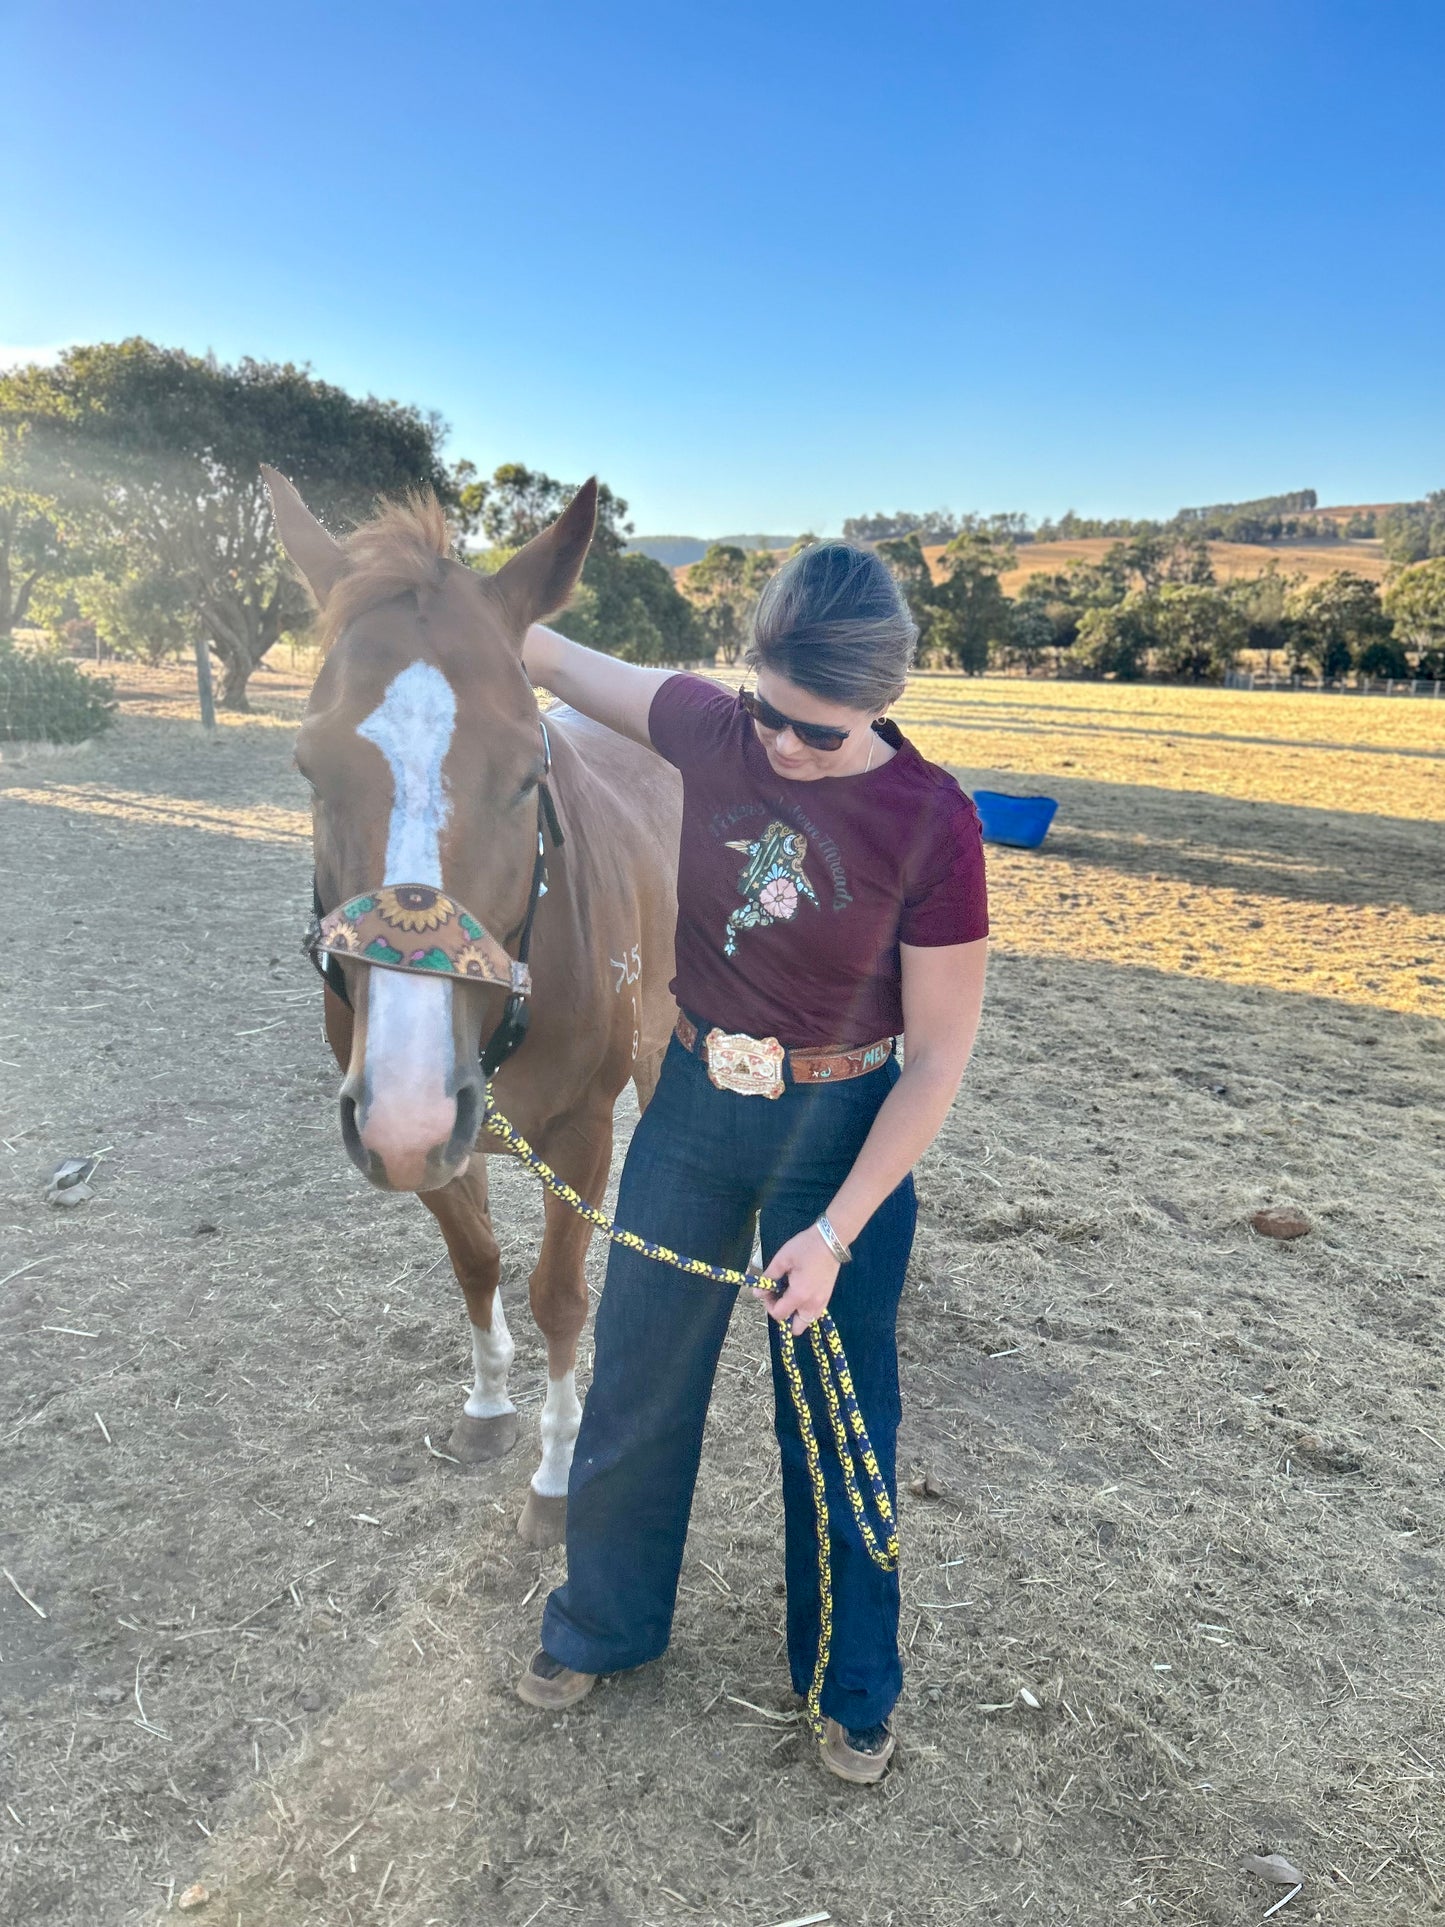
(47, 699)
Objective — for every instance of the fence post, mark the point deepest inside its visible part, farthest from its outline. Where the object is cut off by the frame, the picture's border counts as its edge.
(203, 684)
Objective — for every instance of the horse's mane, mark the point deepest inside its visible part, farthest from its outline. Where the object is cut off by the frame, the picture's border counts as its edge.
(401, 547)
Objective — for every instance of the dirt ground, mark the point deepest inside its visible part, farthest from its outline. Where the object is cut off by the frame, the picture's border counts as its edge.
(1173, 1570)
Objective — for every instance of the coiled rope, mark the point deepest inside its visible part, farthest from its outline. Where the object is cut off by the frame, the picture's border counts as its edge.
(850, 1434)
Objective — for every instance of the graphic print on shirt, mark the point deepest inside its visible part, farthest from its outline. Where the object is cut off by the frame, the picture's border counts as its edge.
(772, 881)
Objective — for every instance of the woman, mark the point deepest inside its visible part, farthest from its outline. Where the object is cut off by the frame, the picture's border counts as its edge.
(830, 898)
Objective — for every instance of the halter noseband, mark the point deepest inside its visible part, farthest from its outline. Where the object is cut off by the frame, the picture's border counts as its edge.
(417, 928)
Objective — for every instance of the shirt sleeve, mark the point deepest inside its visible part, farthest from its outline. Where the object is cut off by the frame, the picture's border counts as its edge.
(689, 719)
(945, 897)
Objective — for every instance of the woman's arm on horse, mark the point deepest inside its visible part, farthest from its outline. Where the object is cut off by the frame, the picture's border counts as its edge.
(942, 999)
(618, 694)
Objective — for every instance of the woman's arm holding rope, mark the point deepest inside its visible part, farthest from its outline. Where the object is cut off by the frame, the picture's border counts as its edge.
(942, 999)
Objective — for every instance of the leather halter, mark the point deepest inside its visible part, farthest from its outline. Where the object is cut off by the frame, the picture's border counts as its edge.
(330, 937)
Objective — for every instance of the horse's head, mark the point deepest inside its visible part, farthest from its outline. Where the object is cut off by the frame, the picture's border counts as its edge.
(423, 748)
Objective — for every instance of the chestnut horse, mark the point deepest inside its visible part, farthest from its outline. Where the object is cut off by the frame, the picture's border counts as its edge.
(424, 748)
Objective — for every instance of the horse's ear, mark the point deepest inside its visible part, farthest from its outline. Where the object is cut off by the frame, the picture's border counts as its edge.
(539, 578)
(318, 556)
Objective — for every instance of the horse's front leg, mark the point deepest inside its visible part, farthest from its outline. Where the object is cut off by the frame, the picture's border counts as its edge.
(579, 1150)
(487, 1426)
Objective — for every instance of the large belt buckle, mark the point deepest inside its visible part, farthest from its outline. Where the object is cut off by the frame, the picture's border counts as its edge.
(750, 1066)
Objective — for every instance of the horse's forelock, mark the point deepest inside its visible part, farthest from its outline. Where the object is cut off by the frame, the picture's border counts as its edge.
(404, 546)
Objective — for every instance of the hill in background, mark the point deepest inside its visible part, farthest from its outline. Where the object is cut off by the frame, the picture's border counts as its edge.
(1313, 560)
(1297, 556)
(679, 551)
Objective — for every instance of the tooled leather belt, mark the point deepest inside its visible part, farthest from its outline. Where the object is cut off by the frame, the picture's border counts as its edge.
(823, 1066)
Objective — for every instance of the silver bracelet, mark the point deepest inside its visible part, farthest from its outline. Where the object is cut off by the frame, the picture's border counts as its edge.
(831, 1239)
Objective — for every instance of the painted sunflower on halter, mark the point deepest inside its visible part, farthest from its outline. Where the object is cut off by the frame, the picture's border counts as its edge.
(343, 936)
(472, 961)
(413, 906)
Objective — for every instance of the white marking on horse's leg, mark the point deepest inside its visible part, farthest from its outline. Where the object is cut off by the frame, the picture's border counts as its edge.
(492, 1356)
(409, 1018)
(561, 1416)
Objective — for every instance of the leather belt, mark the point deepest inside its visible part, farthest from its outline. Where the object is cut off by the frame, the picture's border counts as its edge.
(815, 1066)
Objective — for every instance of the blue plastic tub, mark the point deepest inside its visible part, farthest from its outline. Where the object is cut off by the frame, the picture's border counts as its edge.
(1021, 820)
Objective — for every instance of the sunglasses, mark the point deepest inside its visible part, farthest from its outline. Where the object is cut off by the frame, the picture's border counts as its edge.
(825, 736)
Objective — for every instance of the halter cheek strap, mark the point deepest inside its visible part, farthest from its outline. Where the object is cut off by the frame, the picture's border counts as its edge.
(324, 962)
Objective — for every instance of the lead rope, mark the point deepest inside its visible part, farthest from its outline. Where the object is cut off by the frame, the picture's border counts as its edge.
(850, 1434)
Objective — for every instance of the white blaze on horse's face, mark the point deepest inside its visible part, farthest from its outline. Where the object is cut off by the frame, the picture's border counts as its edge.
(409, 1047)
(413, 726)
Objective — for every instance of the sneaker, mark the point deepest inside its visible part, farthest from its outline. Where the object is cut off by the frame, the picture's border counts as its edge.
(858, 1754)
(549, 1685)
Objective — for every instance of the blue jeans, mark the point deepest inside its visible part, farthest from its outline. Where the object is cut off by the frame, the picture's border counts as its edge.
(703, 1167)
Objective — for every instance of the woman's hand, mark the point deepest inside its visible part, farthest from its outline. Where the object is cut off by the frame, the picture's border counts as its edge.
(811, 1271)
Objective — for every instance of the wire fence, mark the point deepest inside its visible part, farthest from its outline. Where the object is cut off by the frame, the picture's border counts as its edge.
(47, 698)
(1336, 685)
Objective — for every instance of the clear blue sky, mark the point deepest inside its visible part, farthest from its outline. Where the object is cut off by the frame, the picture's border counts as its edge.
(762, 267)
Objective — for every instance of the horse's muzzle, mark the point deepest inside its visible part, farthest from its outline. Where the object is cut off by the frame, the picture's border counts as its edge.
(412, 1145)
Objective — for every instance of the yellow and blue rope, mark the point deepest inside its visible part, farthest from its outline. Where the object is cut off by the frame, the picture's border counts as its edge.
(850, 1434)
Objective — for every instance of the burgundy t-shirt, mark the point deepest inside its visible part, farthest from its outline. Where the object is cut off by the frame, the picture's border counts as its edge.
(792, 898)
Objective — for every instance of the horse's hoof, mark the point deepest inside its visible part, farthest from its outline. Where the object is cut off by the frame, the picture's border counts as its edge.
(543, 1522)
(475, 1441)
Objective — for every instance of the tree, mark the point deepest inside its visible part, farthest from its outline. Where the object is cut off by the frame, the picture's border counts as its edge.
(629, 606)
(964, 613)
(724, 588)
(1144, 555)
(1156, 556)
(140, 612)
(1415, 603)
(865, 530)
(1197, 632)
(1335, 620)
(1414, 531)
(717, 588)
(971, 612)
(159, 452)
(1383, 657)
(1065, 595)
(909, 568)
(1189, 562)
(516, 502)
(33, 549)
(1031, 633)
(1114, 641)
(1262, 600)
(905, 558)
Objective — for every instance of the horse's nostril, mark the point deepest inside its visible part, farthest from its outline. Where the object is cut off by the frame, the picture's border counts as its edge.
(351, 1133)
(469, 1117)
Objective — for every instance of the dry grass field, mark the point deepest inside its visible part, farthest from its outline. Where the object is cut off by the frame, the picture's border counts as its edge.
(1312, 560)
(1174, 1537)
